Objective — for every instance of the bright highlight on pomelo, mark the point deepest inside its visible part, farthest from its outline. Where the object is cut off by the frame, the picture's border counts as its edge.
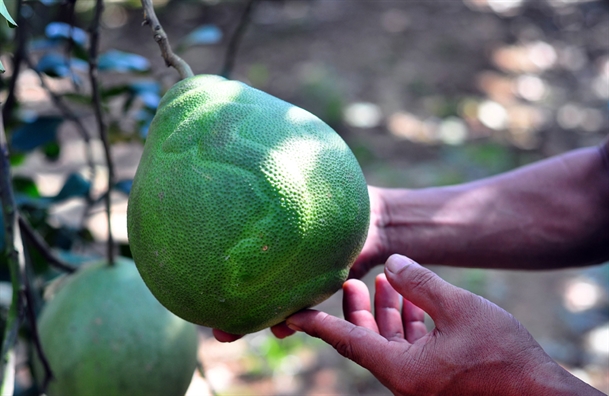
(244, 208)
(105, 334)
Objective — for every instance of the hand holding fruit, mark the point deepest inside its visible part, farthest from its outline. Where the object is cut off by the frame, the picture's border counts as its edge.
(475, 348)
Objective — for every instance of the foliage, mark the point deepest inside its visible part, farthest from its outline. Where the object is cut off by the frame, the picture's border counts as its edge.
(64, 54)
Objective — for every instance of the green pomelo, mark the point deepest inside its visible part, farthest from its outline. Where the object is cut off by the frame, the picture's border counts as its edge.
(244, 208)
(105, 334)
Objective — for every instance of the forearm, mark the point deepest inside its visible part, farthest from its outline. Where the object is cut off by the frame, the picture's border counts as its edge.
(552, 214)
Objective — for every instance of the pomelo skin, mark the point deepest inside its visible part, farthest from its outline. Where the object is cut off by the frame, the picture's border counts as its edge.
(244, 208)
(105, 334)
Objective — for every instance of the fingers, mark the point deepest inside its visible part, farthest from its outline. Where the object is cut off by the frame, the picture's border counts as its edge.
(359, 344)
(423, 288)
(224, 336)
(387, 310)
(414, 321)
(356, 305)
(282, 330)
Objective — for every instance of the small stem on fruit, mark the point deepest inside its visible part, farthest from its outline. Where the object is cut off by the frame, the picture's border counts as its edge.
(233, 45)
(103, 132)
(160, 37)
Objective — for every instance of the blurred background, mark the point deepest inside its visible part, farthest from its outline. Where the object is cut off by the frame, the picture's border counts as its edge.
(426, 93)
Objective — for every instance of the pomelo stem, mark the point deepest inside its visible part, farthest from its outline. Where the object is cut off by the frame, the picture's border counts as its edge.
(160, 37)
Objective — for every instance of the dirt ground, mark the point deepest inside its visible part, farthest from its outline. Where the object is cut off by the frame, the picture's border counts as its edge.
(426, 93)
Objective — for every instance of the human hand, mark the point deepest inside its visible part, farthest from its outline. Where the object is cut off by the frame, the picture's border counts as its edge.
(475, 348)
(375, 249)
(279, 330)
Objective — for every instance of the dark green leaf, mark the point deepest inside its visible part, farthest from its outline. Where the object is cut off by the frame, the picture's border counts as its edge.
(57, 65)
(145, 86)
(78, 98)
(4, 12)
(17, 159)
(52, 151)
(150, 99)
(37, 133)
(203, 35)
(60, 30)
(125, 250)
(119, 61)
(75, 186)
(124, 186)
(115, 91)
(25, 185)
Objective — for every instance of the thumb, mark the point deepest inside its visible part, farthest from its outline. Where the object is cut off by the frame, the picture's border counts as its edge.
(424, 289)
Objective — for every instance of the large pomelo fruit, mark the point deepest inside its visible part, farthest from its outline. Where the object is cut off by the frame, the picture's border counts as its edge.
(244, 208)
(105, 334)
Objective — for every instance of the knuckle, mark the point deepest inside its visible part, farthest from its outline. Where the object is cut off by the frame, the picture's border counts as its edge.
(421, 279)
(345, 345)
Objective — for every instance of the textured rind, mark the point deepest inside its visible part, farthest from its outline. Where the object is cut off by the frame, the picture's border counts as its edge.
(105, 334)
(244, 208)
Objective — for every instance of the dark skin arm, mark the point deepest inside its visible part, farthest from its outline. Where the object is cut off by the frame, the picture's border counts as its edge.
(548, 215)
(476, 348)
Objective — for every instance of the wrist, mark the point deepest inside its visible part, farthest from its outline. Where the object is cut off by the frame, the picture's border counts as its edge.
(422, 224)
(551, 379)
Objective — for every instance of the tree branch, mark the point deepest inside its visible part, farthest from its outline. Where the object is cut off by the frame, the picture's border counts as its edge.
(68, 114)
(103, 132)
(235, 41)
(42, 247)
(160, 37)
(14, 253)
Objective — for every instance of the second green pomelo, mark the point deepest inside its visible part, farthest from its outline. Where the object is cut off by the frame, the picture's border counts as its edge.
(244, 208)
(104, 334)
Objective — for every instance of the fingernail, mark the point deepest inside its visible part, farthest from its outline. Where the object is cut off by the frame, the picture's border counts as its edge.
(395, 263)
(293, 327)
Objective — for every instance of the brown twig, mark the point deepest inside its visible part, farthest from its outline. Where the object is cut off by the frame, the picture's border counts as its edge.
(28, 297)
(103, 132)
(68, 114)
(42, 247)
(160, 37)
(233, 45)
(14, 253)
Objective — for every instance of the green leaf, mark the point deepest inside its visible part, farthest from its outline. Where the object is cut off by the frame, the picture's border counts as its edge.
(39, 132)
(4, 12)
